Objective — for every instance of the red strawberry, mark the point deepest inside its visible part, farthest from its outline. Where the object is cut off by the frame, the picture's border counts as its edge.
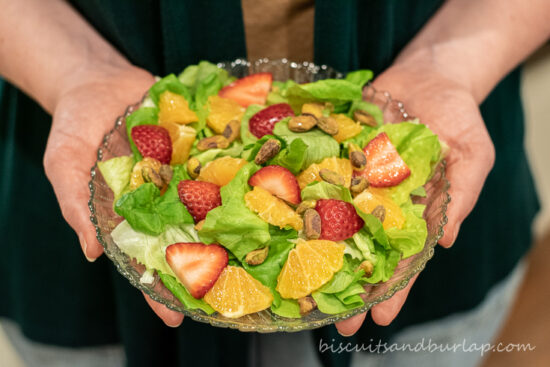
(196, 265)
(385, 167)
(339, 220)
(252, 89)
(199, 197)
(153, 141)
(279, 181)
(263, 121)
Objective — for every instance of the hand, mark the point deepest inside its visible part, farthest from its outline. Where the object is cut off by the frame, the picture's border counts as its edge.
(83, 114)
(450, 110)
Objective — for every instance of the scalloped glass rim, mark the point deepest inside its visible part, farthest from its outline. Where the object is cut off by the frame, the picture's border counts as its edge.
(115, 143)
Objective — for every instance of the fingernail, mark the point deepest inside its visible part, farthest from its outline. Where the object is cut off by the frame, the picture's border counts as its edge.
(344, 334)
(84, 247)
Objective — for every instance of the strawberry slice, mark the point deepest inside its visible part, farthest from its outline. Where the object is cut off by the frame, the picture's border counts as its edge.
(385, 167)
(339, 220)
(279, 181)
(196, 265)
(199, 197)
(153, 141)
(252, 89)
(263, 122)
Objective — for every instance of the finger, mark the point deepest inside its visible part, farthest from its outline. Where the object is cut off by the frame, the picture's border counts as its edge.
(466, 173)
(350, 326)
(384, 313)
(72, 193)
(170, 318)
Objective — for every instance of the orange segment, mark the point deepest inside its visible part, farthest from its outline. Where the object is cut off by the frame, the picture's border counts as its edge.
(315, 109)
(222, 110)
(174, 108)
(341, 166)
(236, 293)
(222, 170)
(310, 265)
(347, 128)
(272, 209)
(372, 197)
(182, 138)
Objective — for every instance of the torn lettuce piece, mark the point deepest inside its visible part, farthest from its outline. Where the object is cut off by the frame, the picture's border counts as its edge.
(116, 172)
(172, 84)
(235, 151)
(285, 307)
(371, 108)
(279, 247)
(149, 212)
(359, 77)
(339, 92)
(148, 250)
(292, 157)
(232, 224)
(319, 144)
(334, 303)
(344, 277)
(142, 116)
(187, 300)
(410, 239)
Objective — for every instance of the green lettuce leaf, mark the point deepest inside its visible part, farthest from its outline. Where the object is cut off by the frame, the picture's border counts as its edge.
(278, 92)
(339, 92)
(187, 300)
(334, 303)
(419, 148)
(359, 77)
(149, 212)
(232, 224)
(285, 307)
(141, 116)
(292, 157)
(116, 172)
(410, 239)
(279, 247)
(320, 145)
(343, 278)
(172, 84)
(235, 150)
(369, 107)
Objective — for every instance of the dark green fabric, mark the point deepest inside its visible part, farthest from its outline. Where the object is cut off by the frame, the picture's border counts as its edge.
(58, 298)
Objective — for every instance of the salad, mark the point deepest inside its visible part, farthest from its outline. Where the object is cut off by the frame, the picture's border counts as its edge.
(250, 194)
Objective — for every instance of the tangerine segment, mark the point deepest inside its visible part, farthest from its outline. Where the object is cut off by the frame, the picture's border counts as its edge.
(182, 138)
(310, 265)
(236, 293)
(174, 108)
(341, 166)
(347, 128)
(372, 197)
(222, 170)
(272, 209)
(222, 110)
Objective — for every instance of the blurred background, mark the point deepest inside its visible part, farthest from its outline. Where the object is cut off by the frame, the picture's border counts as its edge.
(529, 320)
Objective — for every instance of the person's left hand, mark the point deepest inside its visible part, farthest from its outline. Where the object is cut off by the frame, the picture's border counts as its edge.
(451, 111)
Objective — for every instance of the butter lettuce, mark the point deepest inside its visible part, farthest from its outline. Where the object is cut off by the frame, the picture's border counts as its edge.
(173, 84)
(232, 224)
(149, 212)
(183, 295)
(420, 149)
(359, 77)
(319, 144)
(116, 172)
(246, 135)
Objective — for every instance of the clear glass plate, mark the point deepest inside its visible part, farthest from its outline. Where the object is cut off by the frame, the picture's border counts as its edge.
(105, 220)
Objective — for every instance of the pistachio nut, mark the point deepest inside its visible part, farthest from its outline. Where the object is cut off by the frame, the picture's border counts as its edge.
(358, 160)
(307, 304)
(358, 184)
(328, 125)
(379, 212)
(151, 175)
(257, 257)
(312, 224)
(305, 205)
(365, 118)
(302, 123)
(232, 130)
(166, 173)
(268, 150)
(367, 267)
(213, 142)
(194, 167)
(331, 177)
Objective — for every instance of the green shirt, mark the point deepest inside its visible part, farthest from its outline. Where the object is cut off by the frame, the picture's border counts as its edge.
(57, 297)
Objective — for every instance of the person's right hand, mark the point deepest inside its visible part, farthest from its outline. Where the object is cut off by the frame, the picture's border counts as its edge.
(83, 114)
